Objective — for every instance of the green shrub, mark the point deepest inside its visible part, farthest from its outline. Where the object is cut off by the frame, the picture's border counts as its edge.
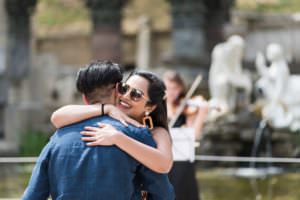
(275, 6)
(32, 142)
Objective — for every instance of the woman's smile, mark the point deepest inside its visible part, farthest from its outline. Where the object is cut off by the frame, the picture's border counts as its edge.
(123, 104)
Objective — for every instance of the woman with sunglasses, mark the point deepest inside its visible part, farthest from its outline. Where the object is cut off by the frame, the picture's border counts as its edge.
(141, 97)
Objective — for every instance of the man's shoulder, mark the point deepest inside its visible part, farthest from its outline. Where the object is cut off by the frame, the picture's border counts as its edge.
(87, 122)
(139, 133)
(74, 129)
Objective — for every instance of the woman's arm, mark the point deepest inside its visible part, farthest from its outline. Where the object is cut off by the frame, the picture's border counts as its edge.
(75, 113)
(197, 120)
(157, 159)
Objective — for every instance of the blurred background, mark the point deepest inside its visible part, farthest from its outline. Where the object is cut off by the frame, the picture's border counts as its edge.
(44, 42)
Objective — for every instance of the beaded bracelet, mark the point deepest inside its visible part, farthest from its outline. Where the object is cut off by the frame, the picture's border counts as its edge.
(102, 109)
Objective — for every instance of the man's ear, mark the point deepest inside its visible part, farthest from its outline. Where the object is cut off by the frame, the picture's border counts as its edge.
(85, 100)
(115, 94)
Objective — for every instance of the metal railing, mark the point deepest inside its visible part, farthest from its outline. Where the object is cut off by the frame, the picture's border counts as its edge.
(6, 160)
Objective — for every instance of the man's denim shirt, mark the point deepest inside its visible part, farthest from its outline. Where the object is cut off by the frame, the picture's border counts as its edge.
(69, 170)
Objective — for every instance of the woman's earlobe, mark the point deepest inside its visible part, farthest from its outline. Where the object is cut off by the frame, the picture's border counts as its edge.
(150, 109)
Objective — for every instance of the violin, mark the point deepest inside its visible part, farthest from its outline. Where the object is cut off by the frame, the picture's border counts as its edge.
(188, 95)
(194, 104)
(189, 105)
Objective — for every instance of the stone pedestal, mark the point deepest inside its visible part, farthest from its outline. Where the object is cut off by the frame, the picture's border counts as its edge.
(188, 35)
(188, 42)
(196, 27)
(7, 144)
(19, 49)
(19, 38)
(217, 15)
(106, 19)
(15, 57)
(3, 81)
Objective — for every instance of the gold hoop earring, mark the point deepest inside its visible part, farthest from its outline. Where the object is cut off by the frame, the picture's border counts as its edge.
(147, 121)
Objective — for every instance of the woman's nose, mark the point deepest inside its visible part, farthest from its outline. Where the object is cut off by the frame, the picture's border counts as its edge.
(126, 95)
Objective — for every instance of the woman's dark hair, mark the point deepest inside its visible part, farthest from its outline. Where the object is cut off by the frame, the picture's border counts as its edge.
(95, 79)
(175, 77)
(157, 95)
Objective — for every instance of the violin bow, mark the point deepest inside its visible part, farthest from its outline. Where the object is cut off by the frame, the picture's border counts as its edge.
(188, 95)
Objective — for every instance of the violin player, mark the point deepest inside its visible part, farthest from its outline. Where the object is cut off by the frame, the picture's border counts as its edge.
(182, 174)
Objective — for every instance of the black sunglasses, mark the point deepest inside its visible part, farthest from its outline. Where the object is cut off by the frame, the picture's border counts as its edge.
(135, 94)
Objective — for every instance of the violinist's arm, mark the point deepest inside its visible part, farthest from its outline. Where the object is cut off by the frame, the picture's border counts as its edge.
(196, 121)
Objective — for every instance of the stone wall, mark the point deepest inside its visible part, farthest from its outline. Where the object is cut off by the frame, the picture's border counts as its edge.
(68, 50)
(76, 50)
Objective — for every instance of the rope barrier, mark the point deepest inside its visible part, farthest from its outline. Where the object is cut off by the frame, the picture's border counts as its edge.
(197, 157)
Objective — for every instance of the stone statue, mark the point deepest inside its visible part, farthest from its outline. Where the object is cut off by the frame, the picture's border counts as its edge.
(226, 75)
(280, 90)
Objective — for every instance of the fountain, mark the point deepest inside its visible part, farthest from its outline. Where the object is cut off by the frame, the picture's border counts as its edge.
(239, 129)
(264, 131)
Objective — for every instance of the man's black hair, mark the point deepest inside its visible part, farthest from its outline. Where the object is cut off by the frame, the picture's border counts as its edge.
(94, 79)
